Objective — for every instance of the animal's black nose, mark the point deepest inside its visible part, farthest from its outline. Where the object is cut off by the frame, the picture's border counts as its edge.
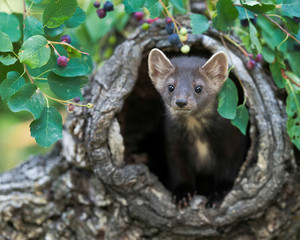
(181, 102)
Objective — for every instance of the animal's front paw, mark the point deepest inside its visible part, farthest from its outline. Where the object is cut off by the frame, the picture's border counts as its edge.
(183, 195)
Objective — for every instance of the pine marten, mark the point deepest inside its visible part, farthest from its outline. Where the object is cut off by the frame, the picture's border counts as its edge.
(204, 150)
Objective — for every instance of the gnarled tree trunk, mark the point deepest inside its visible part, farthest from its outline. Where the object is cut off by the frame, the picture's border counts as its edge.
(96, 183)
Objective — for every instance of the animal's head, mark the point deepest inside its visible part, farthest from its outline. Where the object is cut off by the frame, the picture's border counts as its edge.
(187, 84)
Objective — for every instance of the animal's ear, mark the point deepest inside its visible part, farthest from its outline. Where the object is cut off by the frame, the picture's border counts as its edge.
(158, 65)
(215, 70)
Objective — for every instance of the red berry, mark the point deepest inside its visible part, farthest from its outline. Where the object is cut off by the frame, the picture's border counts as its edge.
(138, 16)
(168, 20)
(101, 13)
(71, 107)
(65, 38)
(62, 61)
(96, 4)
(251, 64)
(259, 58)
(76, 99)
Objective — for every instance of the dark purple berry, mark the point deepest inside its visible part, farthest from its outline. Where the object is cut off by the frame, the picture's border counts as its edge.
(65, 38)
(62, 61)
(174, 39)
(253, 20)
(170, 28)
(96, 4)
(244, 22)
(71, 107)
(296, 19)
(101, 13)
(138, 16)
(168, 20)
(108, 6)
(76, 99)
(251, 64)
(258, 58)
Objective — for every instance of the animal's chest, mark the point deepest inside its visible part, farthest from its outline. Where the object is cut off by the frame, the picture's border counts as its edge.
(198, 145)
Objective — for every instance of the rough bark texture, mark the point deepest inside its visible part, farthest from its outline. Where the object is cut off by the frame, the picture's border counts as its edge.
(84, 189)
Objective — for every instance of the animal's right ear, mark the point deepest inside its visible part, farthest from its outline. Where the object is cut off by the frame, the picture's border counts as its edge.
(158, 65)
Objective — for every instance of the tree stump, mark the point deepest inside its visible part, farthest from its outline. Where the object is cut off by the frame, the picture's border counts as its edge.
(98, 182)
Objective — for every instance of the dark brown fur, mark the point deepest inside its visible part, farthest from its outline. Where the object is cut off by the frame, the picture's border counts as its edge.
(203, 148)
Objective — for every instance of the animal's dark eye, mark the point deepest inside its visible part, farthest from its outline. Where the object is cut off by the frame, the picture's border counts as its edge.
(171, 88)
(198, 89)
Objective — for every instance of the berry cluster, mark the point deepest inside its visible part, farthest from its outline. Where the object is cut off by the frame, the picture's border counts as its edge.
(76, 100)
(107, 7)
(252, 62)
(177, 39)
(62, 61)
(139, 16)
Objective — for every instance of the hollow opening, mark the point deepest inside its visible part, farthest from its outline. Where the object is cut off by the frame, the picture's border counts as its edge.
(143, 120)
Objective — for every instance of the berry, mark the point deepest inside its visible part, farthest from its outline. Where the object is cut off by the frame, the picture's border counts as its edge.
(183, 31)
(253, 20)
(183, 38)
(174, 39)
(258, 58)
(251, 64)
(296, 19)
(170, 28)
(65, 38)
(101, 13)
(62, 61)
(76, 99)
(168, 20)
(96, 4)
(71, 107)
(89, 105)
(244, 22)
(108, 6)
(185, 49)
(145, 26)
(138, 16)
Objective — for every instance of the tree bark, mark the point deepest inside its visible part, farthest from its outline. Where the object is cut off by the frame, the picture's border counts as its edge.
(86, 189)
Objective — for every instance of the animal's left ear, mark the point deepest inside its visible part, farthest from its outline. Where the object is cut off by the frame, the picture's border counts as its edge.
(215, 70)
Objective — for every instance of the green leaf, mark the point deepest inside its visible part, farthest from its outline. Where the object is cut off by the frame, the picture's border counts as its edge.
(294, 59)
(75, 67)
(53, 32)
(5, 43)
(242, 13)
(228, 100)
(11, 85)
(29, 99)
(11, 26)
(8, 59)
(241, 119)
(255, 44)
(35, 51)
(257, 7)
(154, 7)
(293, 111)
(57, 12)
(276, 67)
(66, 87)
(199, 23)
(48, 128)
(78, 18)
(268, 54)
(295, 78)
(132, 6)
(178, 4)
(292, 26)
(226, 14)
(32, 27)
(291, 8)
